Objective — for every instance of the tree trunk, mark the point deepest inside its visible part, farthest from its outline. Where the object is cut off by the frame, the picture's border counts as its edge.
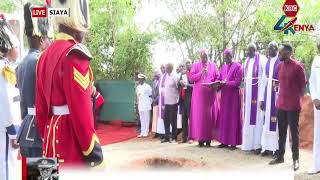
(224, 26)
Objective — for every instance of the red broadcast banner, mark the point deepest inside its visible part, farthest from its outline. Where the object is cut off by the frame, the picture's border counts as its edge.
(24, 169)
(39, 12)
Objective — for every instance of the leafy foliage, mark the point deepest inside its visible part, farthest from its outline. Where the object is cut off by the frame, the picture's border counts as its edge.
(118, 48)
(9, 6)
(234, 24)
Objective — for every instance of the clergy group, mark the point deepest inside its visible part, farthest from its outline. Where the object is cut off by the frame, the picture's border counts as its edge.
(246, 105)
(48, 101)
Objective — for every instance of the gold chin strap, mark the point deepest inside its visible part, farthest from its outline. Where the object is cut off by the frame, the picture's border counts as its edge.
(38, 58)
(9, 75)
(64, 36)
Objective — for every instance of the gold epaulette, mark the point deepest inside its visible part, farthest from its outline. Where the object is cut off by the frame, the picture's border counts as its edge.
(9, 75)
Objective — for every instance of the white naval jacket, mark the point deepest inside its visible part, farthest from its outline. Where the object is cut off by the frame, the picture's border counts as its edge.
(315, 79)
(144, 93)
(10, 106)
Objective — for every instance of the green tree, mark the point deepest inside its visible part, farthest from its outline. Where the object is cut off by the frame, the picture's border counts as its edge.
(132, 54)
(218, 24)
(118, 48)
(9, 6)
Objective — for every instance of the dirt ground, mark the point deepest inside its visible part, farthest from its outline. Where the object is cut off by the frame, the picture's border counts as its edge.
(306, 122)
(150, 154)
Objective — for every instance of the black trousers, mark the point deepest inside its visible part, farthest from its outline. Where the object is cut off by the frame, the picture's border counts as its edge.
(290, 118)
(31, 151)
(170, 118)
(185, 118)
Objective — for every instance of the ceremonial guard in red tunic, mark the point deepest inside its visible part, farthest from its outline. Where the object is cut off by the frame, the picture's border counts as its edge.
(63, 92)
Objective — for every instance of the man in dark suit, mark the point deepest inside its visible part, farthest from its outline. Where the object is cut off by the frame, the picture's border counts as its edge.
(186, 96)
(38, 39)
(155, 102)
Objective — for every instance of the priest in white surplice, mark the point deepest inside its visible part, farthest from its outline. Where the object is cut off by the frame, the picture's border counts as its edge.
(160, 123)
(253, 115)
(269, 139)
(315, 95)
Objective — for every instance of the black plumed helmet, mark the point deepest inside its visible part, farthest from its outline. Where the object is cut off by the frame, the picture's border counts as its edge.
(5, 42)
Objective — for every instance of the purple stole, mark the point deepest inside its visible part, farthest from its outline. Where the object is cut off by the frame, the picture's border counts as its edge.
(157, 82)
(162, 97)
(180, 98)
(254, 91)
(273, 115)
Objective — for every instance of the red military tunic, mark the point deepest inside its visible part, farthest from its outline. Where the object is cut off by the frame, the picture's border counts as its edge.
(64, 106)
(99, 100)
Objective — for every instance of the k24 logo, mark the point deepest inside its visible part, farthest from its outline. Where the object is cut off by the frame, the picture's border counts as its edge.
(290, 26)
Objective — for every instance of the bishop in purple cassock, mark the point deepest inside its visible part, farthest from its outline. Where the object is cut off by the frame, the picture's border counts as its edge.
(201, 119)
(230, 125)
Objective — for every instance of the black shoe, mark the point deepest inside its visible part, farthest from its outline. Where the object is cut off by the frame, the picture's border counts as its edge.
(201, 144)
(222, 146)
(266, 153)
(296, 165)
(208, 144)
(313, 173)
(161, 137)
(275, 154)
(165, 140)
(257, 151)
(232, 148)
(276, 161)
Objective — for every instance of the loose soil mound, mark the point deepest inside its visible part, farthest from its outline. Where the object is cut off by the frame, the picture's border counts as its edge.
(166, 163)
(306, 123)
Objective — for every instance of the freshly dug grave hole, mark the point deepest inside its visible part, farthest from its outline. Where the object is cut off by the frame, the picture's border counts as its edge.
(166, 163)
